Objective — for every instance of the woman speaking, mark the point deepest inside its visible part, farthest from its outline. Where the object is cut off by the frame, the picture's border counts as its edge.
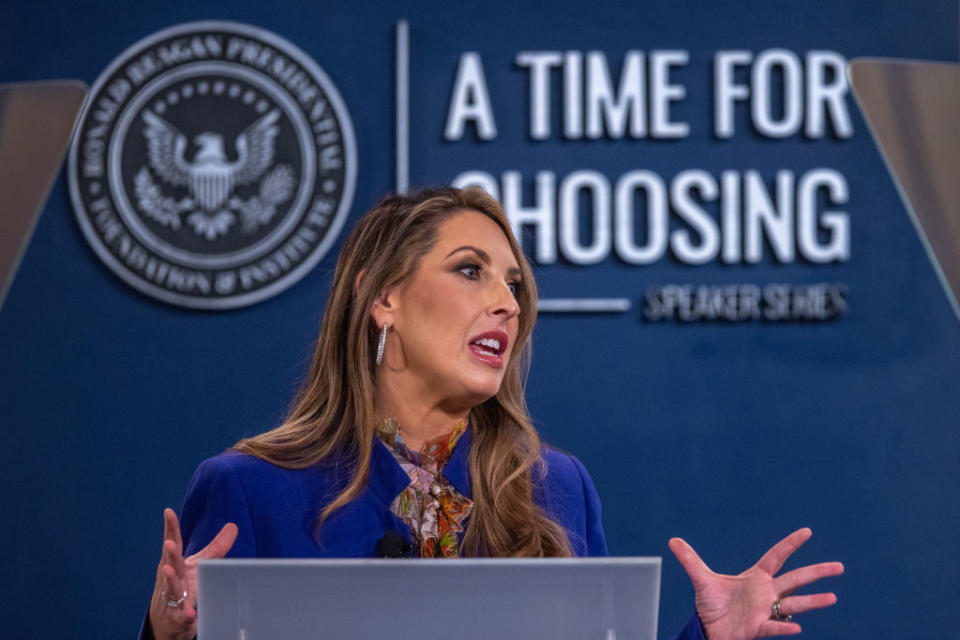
(411, 431)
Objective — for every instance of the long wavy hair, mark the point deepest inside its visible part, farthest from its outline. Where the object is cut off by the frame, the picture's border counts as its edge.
(334, 412)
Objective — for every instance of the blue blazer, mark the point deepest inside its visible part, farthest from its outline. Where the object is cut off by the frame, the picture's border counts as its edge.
(276, 509)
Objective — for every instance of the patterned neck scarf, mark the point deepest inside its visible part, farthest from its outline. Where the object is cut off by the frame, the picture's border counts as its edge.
(431, 506)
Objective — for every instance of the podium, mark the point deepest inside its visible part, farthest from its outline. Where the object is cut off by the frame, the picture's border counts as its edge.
(466, 599)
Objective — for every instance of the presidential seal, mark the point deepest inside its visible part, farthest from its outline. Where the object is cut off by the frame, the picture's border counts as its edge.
(213, 166)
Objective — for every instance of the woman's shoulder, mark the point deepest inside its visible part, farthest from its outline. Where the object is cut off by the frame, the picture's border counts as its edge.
(562, 481)
(241, 464)
(274, 507)
(563, 470)
(241, 468)
(565, 490)
(261, 479)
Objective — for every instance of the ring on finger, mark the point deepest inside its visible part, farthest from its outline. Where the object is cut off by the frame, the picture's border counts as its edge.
(170, 601)
(777, 614)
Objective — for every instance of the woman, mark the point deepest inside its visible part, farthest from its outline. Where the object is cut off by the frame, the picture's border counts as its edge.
(412, 423)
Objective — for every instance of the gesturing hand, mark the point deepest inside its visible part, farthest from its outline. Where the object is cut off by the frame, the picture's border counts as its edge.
(740, 607)
(173, 615)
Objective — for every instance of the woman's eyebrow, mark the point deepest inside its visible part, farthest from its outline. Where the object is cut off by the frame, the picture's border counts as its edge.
(484, 257)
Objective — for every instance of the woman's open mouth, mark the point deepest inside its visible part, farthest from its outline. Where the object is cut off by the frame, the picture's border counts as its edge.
(489, 347)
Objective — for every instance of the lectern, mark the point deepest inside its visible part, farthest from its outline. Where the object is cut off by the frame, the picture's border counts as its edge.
(466, 599)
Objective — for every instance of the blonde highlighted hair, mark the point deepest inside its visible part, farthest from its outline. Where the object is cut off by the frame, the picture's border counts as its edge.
(334, 412)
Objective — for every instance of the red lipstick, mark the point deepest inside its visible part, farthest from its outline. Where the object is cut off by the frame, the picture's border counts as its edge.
(489, 347)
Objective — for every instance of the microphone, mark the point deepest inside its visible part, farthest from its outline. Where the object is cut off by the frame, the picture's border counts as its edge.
(392, 545)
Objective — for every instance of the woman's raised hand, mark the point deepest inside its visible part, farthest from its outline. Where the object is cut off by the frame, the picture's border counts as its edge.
(173, 608)
(741, 607)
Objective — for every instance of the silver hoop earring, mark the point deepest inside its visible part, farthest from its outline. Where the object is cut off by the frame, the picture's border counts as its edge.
(382, 343)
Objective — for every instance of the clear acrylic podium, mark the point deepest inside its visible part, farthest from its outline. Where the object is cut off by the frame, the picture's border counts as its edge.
(467, 599)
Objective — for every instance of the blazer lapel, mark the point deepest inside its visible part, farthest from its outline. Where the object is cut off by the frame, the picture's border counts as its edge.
(457, 469)
(354, 529)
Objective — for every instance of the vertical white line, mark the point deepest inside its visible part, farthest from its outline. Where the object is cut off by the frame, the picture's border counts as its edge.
(403, 106)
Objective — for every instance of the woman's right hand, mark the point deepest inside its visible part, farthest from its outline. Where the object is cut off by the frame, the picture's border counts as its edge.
(177, 576)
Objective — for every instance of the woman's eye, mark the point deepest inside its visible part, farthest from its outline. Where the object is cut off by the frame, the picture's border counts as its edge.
(471, 271)
(514, 288)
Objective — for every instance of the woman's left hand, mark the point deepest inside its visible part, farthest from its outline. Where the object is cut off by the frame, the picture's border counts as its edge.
(741, 607)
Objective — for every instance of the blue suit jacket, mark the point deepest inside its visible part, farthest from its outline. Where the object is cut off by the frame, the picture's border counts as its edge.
(276, 509)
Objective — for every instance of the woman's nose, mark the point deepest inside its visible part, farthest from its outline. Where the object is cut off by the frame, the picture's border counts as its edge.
(505, 302)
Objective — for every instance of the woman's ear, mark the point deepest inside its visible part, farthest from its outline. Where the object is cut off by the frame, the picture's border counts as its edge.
(384, 307)
(357, 281)
(383, 304)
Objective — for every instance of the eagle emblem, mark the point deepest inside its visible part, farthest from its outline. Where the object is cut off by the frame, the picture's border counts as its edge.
(212, 181)
(210, 177)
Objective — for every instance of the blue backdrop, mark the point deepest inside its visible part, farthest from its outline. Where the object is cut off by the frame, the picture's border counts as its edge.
(730, 434)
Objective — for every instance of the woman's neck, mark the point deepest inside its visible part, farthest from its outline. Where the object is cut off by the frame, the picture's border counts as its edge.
(419, 419)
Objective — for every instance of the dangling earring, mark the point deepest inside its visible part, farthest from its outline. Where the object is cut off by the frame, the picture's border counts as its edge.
(382, 343)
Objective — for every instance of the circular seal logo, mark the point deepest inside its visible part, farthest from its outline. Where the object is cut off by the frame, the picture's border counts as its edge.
(213, 166)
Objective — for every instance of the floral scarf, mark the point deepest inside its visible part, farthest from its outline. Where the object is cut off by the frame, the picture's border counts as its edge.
(430, 505)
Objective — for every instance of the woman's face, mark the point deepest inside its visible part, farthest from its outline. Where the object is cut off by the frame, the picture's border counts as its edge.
(455, 320)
